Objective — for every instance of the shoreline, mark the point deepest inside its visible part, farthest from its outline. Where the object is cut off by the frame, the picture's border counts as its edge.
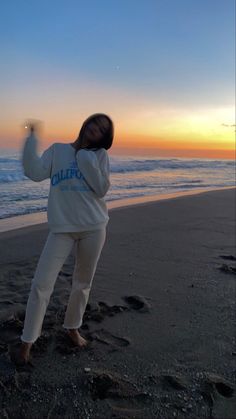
(28, 220)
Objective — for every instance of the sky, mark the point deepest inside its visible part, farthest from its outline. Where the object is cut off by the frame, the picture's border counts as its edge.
(163, 70)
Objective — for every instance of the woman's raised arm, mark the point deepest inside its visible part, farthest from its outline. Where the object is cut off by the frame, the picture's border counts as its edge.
(35, 167)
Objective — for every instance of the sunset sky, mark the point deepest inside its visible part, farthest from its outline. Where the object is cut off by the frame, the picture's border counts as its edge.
(163, 70)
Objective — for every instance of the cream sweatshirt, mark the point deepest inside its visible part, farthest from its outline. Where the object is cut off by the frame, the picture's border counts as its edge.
(78, 183)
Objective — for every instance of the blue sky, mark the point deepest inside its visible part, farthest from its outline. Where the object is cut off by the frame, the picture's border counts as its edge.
(178, 52)
(154, 43)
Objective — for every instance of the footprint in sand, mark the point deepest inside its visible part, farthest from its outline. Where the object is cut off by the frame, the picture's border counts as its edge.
(219, 394)
(176, 381)
(98, 311)
(104, 336)
(111, 310)
(137, 302)
(228, 257)
(216, 382)
(122, 395)
(227, 269)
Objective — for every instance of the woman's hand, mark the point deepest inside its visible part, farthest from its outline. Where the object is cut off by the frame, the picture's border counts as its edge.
(33, 126)
(30, 128)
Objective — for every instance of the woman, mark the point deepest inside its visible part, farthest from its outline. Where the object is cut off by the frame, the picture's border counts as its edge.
(77, 214)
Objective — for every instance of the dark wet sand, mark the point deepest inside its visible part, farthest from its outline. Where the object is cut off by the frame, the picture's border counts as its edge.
(160, 319)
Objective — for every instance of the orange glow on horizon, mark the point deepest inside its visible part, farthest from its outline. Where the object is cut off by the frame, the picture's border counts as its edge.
(145, 123)
(167, 132)
(184, 153)
(137, 145)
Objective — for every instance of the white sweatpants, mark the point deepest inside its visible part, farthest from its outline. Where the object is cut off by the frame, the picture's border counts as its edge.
(88, 247)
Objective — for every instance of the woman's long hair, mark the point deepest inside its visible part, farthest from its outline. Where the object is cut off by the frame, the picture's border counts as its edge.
(106, 140)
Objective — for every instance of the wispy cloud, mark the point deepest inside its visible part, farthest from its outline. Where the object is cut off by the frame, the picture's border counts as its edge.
(229, 126)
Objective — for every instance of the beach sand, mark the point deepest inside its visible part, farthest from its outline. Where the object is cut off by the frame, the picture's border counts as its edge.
(160, 319)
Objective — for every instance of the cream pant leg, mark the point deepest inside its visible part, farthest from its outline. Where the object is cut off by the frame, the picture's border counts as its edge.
(88, 247)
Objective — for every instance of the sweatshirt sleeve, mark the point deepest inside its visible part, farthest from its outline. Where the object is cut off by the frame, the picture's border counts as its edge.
(35, 167)
(96, 170)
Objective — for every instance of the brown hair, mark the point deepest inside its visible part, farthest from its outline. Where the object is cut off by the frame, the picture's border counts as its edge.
(106, 140)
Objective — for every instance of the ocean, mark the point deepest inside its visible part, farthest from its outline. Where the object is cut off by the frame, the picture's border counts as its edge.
(131, 176)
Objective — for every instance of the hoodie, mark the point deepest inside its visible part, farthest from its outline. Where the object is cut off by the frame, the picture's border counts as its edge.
(79, 182)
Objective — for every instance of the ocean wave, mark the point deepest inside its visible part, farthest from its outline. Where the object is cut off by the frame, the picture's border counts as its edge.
(11, 169)
(131, 176)
(12, 177)
(167, 164)
(22, 211)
